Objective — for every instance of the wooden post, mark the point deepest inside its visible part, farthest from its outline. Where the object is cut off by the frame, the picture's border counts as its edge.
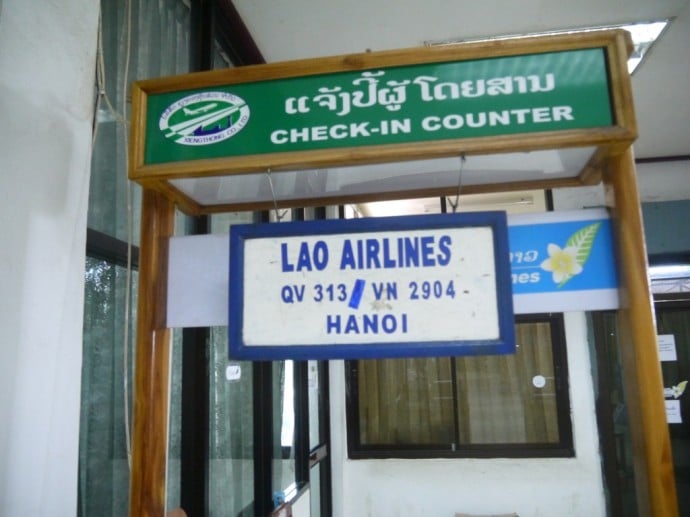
(642, 379)
(151, 380)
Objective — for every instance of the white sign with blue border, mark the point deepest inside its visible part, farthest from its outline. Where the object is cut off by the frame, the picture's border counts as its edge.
(388, 287)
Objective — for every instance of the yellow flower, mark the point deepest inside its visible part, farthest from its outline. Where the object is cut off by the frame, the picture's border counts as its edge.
(561, 262)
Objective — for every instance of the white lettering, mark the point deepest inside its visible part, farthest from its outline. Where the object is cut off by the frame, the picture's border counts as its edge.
(541, 115)
(432, 123)
(338, 132)
(299, 135)
(453, 121)
(499, 117)
(450, 122)
(479, 122)
(562, 113)
(319, 133)
(457, 121)
(520, 114)
(401, 126)
(359, 129)
(279, 136)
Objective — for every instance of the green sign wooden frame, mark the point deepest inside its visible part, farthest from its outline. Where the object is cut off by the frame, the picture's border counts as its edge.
(531, 94)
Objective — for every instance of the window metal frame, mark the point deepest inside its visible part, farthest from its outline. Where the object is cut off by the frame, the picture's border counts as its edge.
(563, 448)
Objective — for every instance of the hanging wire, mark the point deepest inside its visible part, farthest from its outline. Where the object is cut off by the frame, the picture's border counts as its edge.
(130, 223)
(279, 214)
(454, 205)
(102, 93)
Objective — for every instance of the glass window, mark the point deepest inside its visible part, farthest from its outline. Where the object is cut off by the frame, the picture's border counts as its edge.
(137, 40)
(498, 405)
(231, 438)
(103, 451)
(231, 420)
(673, 322)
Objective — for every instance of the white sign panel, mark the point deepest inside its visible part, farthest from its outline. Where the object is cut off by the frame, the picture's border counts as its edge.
(673, 415)
(418, 285)
(667, 347)
(198, 272)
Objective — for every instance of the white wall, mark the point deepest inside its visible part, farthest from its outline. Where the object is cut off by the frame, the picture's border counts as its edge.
(47, 56)
(530, 487)
(656, 181)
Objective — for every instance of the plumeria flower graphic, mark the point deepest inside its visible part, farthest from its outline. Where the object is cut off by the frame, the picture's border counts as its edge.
(675, 391)
(561, 262)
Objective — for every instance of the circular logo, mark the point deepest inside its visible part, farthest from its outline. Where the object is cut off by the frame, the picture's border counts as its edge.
(204, 118)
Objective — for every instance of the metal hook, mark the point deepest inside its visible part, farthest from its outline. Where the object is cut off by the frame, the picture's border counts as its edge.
(454, 205)
(279, 214)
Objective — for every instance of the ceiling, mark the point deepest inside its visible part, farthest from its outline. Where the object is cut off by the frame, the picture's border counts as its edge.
(298, 29)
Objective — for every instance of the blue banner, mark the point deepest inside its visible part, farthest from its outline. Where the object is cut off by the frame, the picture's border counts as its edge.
(562, 261)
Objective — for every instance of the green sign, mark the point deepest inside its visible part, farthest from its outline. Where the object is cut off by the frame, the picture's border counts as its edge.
(398, 105)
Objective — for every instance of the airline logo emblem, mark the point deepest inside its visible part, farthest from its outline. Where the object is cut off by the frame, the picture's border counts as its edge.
(204, 118)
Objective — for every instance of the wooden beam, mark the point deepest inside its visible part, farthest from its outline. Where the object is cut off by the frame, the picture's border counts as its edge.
(151, 380)
(642, 378)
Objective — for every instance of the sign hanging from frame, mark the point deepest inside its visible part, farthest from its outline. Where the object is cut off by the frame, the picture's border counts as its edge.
(388, 287)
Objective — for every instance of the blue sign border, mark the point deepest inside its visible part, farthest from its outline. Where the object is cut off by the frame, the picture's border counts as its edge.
(497, 221)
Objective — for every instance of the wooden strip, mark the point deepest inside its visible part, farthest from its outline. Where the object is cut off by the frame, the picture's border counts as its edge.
(591, 173)
(353, 156)
(182, 201)
(622, 100)
(150, 431)
(138, 132)
(642, 379)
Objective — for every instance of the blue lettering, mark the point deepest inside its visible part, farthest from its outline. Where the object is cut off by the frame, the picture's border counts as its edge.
(333, 324)
(389, 323)
(370, 323)
(391, 290)
(307, 259)
(299, 292)
(347, 260)
(428, 251)
(286, 294)
(373, 253)
(377, 253)
(378, 289)
(284, 259)
(320, 255)
(351, 325)
(411, 252)
(388, 262)
(303, 261)
(443, 256)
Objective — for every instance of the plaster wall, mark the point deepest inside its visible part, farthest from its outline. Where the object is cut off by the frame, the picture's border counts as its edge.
(530, 487)
(47, 57)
